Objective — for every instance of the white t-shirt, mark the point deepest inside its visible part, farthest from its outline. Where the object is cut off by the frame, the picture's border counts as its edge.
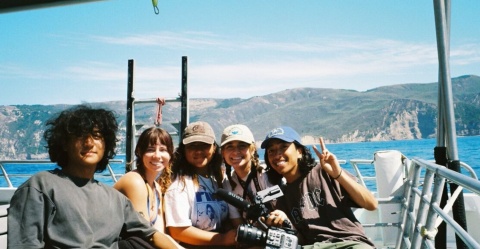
(190, 205)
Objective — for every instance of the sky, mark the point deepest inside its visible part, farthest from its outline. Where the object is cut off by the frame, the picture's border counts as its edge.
(79, 53)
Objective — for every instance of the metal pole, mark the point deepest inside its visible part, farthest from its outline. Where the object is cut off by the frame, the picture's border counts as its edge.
(184, 120)
(130, 100)
(440, 151)
(445, 85)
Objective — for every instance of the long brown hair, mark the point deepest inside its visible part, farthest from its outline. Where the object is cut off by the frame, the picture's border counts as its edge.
(149, 137)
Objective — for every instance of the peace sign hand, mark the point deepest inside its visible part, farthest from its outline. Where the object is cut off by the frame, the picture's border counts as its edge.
(328, 160)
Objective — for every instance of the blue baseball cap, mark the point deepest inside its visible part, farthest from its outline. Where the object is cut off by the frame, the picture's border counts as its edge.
(284, 133)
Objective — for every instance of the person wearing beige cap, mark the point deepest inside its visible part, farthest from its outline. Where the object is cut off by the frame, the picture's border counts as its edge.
(193, 215)
(240, 153)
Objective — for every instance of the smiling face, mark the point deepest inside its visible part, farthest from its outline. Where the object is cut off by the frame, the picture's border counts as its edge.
(199, 154)
(238, 155)
(283, 158)
(156, 157)
(85, 151)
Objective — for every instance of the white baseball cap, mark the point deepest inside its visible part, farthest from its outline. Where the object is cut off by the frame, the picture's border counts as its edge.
(237, 132)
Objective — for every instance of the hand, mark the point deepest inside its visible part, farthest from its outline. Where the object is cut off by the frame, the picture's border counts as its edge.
(328, 160)
(277, 218)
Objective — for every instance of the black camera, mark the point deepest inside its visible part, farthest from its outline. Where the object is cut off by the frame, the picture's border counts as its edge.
(270, 237)
(273, 238)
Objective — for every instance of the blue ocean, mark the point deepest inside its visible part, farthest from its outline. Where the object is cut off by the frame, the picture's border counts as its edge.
(468, 151)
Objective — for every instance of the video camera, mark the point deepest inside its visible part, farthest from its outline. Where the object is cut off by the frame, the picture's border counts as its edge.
(270, 237)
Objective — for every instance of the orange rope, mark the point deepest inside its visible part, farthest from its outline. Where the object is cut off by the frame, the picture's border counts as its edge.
(158, 119)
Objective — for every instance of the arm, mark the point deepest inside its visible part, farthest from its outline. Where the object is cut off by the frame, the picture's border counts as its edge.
(25, 225)
(133, 187)
(195, 236)
(359, 194)
(160, 240)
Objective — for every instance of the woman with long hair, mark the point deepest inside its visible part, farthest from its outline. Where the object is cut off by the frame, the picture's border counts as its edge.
(145, 185)
(190, 200)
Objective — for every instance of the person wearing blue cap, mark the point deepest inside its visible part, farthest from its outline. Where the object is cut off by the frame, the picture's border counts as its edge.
(318, 198)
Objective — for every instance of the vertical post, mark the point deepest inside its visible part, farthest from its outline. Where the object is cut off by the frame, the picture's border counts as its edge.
(184, 120)
(130, 100)
(446, 110)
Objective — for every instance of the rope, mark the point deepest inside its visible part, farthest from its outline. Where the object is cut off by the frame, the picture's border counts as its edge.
(158, 119)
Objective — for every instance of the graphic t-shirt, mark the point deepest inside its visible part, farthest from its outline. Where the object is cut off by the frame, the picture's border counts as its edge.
(320, 209)
(190, 205)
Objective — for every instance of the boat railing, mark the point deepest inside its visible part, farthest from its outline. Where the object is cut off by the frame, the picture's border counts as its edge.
(419, 228)
(7, 177)
(411, 226)
(355, 164)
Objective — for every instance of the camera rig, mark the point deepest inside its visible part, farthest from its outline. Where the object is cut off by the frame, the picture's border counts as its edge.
(270, 237)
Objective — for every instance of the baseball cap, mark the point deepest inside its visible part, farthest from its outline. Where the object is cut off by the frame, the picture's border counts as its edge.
(284, 133)
(237, 132)
(199, 132)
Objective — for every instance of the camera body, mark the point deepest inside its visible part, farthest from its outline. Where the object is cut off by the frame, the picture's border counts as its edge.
(273, 238)
(261, 235)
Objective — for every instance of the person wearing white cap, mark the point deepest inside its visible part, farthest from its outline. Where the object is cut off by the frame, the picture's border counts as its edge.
(193, 215)
(240, 153)
(318, 198)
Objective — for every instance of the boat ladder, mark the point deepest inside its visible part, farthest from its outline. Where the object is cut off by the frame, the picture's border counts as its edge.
(135, 107)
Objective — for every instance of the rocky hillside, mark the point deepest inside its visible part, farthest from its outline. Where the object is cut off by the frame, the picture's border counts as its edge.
(406, 111)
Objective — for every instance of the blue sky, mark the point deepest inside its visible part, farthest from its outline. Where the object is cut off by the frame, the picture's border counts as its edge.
(79, 53)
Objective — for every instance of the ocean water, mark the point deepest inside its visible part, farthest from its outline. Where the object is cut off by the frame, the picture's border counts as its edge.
(468, 151)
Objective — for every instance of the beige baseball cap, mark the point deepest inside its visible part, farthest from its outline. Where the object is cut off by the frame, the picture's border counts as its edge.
(237, 132)
(199, 132)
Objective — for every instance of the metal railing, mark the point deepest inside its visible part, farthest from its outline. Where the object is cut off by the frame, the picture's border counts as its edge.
(420, 211)
(7, 177)
(419, 228)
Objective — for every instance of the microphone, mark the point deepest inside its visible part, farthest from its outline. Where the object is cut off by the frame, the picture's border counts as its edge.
(233, 199)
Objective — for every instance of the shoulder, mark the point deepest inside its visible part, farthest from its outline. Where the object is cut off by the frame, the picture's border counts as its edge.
(43, 178)
(263, 179)
(180, 183)
(226, 184)
(317, 170)
(131, 180)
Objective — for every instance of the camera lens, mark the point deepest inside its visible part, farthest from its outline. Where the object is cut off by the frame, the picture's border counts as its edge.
(251, 235)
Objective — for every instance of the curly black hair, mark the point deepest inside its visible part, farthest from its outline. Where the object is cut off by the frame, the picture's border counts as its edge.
(305, 164)
(80, 121)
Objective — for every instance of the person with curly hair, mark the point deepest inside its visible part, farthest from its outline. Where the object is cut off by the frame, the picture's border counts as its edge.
(145, 185)
(66, 207)
(190, 200)
(318, 198)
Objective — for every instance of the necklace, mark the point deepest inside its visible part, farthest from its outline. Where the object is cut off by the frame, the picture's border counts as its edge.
(154, 196)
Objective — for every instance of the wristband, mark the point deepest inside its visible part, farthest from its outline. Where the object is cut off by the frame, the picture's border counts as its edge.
(341, 171)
